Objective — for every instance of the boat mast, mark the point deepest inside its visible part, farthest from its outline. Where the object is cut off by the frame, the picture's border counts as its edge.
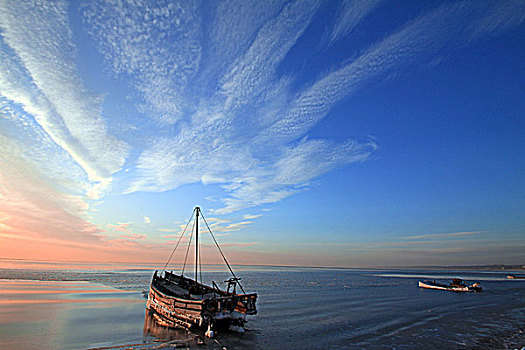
(197, 209)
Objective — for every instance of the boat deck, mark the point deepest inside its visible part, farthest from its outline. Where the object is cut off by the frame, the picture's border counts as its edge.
(176, 291)
(172, 288)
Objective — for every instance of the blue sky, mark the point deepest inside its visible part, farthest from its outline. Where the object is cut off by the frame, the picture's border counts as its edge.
(330, 133)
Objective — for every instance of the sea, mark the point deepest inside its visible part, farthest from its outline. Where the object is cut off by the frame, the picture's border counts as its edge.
(47, 305)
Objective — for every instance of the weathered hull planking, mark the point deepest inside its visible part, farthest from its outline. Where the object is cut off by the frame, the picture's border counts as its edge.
(211, 309)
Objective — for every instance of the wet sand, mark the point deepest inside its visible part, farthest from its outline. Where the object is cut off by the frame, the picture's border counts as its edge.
(68, 315)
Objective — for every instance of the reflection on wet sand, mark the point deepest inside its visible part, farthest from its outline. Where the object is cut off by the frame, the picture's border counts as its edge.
(66, 315)
(154, 328)
(168, 337)
(58, 291)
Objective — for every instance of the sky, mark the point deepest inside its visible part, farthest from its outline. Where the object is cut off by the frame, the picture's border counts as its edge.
(311, 133)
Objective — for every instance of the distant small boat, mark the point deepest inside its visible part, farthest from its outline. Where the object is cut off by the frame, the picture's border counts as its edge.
(177, 300)
(457, 285)
(515, 277)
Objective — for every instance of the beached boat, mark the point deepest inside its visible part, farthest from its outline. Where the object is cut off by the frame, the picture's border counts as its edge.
(175, 300)
(457, 285)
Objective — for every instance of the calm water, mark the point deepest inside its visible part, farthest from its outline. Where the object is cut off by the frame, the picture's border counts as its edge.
(298, 309)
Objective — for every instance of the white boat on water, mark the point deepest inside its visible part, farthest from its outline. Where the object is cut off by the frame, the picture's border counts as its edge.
(457, 285)
(514, 277)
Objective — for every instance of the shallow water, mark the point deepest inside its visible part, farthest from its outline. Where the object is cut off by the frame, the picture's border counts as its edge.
(299, 308)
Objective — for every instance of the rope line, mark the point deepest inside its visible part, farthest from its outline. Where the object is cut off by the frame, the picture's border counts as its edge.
(187, 250)
(200, 261)
(178, 242)
(223, 257)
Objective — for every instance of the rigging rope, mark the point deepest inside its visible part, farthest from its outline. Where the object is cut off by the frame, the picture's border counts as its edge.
(178, 242)
(223, 257)
(188, 249)
(200, 263)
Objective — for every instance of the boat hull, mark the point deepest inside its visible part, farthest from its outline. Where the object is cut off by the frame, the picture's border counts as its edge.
(515, 277)
(216, 312)
(461, 289)
(174, 311)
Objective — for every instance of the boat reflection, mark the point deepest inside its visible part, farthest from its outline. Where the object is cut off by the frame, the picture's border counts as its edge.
(155, 327)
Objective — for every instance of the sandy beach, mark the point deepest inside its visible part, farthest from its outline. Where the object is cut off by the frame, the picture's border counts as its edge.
(67, 315)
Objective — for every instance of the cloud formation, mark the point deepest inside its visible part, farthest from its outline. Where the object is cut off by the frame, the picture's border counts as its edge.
(350, 13)
(138, 39)
(57, 152)
(35, 207)
(231, 138)
(441, 236)
(39, 75)
(120, 226)
(246, 126)
(220, 100)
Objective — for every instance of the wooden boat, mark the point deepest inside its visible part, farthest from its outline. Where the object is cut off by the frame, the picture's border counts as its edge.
(175, 300)
(457, 285)
(514, 277)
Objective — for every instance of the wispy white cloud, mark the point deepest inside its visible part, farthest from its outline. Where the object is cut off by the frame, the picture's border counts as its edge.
(255, 70)
(216, 147)
(236, 226)
(35, 206)
(227, 107)
(189, 157)
(495, 17)
(167, 230)
(349, 15)
(57, 152)
(133, 237)
(38, 73)
(239, 244)
(137, 37)
(423, 38)
(171, 236)
(222, 226)
(248, 126)
(251, 216)
(440, 236)
(292, 172)
(233, 27)
(120, 226)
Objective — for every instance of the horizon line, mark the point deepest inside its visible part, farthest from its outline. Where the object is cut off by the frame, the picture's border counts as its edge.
(476, 266)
